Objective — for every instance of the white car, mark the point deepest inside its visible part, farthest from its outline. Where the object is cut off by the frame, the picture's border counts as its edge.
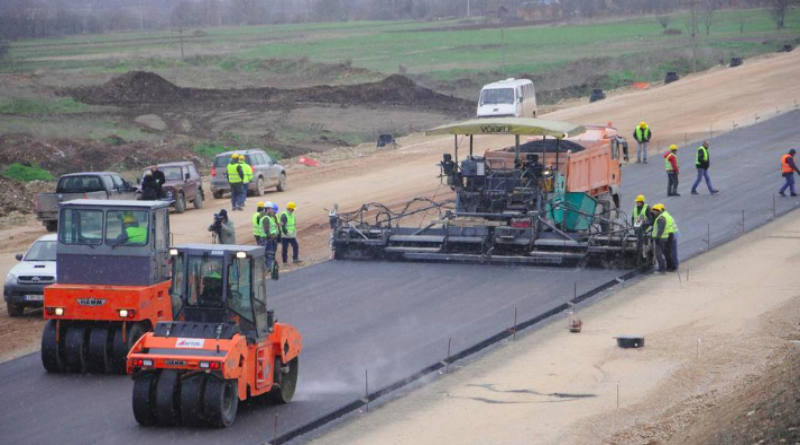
(24, 285)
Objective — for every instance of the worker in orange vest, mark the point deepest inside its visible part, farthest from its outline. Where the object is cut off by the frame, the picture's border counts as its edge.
(671, 165)
(788, 169)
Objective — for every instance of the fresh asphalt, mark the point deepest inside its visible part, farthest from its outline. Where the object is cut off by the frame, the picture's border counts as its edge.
(392, 320)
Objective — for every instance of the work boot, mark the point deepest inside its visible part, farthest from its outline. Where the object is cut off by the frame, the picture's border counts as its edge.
(645, 161)
(714, 192)
(782, 194)
(694, 192)
(676, 194)
(793, 194)
(297, 261)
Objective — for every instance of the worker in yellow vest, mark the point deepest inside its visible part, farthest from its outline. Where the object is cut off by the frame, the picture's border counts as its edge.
(671, 165)
(247, 177)
(235, 179)
(641, 215)
(133, 234)
(271, 233)
(642, 134)
(258, 228)
(665, 235)
(289, 234)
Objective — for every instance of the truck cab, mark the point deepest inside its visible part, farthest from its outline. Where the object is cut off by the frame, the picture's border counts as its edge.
(112, 286)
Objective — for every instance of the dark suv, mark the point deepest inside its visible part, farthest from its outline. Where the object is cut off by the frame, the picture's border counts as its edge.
(266, 173)
(183, 184)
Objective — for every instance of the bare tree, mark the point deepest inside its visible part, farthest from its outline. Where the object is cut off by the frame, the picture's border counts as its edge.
(664, 20)
(779, 8)
(707, 13)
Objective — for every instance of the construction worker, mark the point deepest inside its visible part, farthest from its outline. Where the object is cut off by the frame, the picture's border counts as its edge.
(247, 177)
(788, 169)
(271, 233)
(132, 234)
(641, 214)
(665, 235)
(258, 228)
(289, 233)
(642, 134)
(702, 162)
(671, 164)
(235, 179)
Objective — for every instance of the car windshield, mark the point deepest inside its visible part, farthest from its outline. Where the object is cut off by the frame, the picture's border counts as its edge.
(42, 251)
(81, 226)
(497, 96)
(128, 227)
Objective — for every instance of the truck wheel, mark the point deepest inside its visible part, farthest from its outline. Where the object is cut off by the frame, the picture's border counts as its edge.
(180, 203)
(120, 349)
(198, 200)
(143, 389)
(100, 350)
(51, 226)
(168, 397)
(285, 381)
(220, 402)
(77, 348)
(218, 194)
(281, 183)
(15, 309)
(260, 187)
(192, 400)
(52, 350)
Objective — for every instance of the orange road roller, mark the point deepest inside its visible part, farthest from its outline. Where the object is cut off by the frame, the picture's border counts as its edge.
(112, 283)
(224, 345)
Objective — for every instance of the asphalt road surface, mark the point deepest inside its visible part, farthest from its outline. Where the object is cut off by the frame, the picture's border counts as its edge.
(394, 319)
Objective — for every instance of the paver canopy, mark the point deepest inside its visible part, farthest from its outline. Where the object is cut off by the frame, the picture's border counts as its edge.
(510, 125)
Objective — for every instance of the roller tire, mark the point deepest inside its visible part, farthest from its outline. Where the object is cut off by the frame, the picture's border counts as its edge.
(198, 200)
(52, 351)
(192, 389)
(99, 350)
(15, 310)
(285, 382)
(168, 397)
(120, 349)
(143, 399)
(76, 347)
(220, 402)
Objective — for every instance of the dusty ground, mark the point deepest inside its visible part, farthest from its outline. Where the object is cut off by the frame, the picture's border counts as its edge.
(708, 337)
(394, 176)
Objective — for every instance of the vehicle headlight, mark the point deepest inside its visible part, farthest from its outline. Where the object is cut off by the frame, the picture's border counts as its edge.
(11, 279)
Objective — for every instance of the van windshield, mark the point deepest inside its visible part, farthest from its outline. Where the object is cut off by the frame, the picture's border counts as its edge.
(497, 96)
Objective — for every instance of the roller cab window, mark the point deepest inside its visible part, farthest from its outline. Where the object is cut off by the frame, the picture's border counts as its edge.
(81, 227)
(127, 227)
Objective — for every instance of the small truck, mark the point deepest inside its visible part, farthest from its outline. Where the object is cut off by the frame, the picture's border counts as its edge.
(86, 185)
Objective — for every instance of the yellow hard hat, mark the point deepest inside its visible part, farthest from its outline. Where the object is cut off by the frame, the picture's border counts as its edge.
(260, 204)
(127, 219)
(291, 206)
(642, 124)
(659, 207)
(640, 198)
(673, 147)
(235, 156)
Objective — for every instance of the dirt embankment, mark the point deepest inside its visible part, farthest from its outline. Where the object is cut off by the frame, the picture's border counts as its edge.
(145, 88)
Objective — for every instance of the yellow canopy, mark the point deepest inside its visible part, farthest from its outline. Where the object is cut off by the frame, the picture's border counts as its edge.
(510, 125)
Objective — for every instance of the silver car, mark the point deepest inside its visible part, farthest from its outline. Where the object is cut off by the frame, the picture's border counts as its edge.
(266, 173)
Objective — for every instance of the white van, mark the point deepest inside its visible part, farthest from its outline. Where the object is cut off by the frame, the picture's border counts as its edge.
(508, 98)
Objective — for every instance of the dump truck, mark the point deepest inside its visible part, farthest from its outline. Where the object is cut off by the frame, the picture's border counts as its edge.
(112, 283)
(550, 200)
(224, 345)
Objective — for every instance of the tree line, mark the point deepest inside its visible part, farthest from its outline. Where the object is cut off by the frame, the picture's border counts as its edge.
(25, 19)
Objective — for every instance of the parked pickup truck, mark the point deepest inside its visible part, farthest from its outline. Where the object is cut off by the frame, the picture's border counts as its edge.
(87, 185)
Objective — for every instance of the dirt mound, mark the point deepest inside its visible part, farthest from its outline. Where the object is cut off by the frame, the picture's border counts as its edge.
(62, 156)
(143, 88)
(18, 197)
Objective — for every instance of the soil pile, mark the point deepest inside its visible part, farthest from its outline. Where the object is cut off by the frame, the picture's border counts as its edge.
(62, 156)
(143, 88)
(18, 197)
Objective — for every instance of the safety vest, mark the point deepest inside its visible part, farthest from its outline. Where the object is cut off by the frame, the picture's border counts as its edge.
(247, 170)
(258, 229)
(670, 226)
(273, 226)
(637, 214)
(785, 166)
(642, 134)
(291, 231)
(702, 156)
(668, 164)
(136, 235)
(233, 175)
